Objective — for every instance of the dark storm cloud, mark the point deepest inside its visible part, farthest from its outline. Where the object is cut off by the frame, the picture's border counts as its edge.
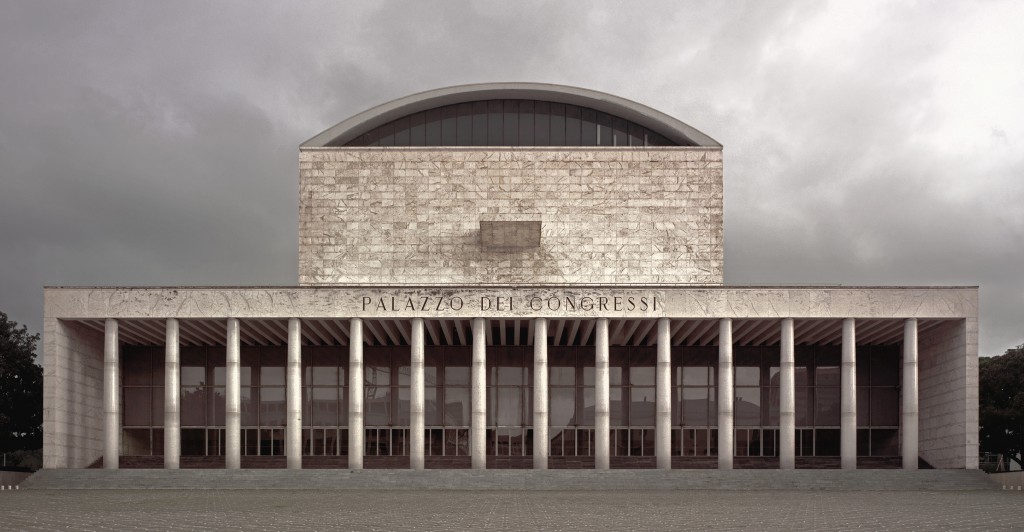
(155, 143)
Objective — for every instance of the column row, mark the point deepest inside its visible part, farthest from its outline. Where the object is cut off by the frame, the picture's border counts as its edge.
(602, 408)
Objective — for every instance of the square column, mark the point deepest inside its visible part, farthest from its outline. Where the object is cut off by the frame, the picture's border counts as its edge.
(233, 398)
(478, 433)
(602, 397)
(787, 397)
(726, 394)
(293, 423)
(355, 394)
(417, 414)
(663, 398)
(111, 396)
(172, 397)
(540, 394)
(848, 401)
(909, 435)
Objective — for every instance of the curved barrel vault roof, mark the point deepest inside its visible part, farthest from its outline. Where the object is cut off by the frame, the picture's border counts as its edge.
(349, 129)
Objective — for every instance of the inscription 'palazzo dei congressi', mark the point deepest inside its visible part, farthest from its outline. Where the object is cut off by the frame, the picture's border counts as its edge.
(498, 303)
(510, 275)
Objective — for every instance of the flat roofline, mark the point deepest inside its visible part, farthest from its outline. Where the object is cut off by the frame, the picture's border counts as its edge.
(507, 285)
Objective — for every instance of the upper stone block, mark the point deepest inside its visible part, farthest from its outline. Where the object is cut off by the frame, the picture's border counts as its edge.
(510, 183)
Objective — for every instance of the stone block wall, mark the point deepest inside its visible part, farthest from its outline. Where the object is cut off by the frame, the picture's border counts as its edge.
(948, 394)
(72, 394)
(412, 215)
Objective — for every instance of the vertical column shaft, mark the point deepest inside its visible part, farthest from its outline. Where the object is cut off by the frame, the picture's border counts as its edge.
(787, 397)
(541, 442)
(848, 399)
(602, 397)
(725, 394)
(355, 394)
(478, 436)
(293, 427)
(910, 405)
(111, 396)
(172, 396)
(417, 420)
(233, 398)
(663, 398)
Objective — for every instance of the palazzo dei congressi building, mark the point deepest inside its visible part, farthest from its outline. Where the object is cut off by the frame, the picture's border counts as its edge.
(511, 276)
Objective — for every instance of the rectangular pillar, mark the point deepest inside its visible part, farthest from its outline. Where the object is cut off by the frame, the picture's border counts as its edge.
(293, 424)
(787, 397)
(233, 398)
(663, 398)
(726, 394)
(417, 421)
(540, 394)
(172, 396)
(355, 394)
(909, 435)
(602, 397)
(111, 396)
(848, 401)
(478, 434)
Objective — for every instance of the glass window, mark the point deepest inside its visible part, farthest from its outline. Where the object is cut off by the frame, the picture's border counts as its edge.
(562, 412)
(641, 408)
(695, 406)
(449, 129)
(136, 368)
(747, 406)
(457, 407)
(510, 122)
(826, 406)
(696, 375)
(324, 406)
(885, 407)
(138, 406)
(495, 127)
(748, 376)
(193, 406)
(272, 407)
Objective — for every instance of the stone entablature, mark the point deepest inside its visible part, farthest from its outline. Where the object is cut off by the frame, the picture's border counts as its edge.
(504, 301)
(608, 215)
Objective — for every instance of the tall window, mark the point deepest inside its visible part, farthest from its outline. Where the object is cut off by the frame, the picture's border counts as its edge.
(142, 411)
(510, 402)
(448, 404)
(694, 408)
(325, 401)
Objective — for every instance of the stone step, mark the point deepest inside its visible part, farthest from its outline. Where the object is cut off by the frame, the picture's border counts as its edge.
(509, 479)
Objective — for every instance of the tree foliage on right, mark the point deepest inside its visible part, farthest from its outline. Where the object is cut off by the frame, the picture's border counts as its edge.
(1001, 403)
(21, 389)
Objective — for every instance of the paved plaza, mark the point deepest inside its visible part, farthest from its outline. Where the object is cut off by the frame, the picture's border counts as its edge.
(509, 510)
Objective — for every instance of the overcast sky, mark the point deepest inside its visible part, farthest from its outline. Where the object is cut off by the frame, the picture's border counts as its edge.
(156, 143)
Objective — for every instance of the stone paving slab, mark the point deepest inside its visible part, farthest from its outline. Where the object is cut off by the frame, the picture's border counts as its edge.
(508, 510)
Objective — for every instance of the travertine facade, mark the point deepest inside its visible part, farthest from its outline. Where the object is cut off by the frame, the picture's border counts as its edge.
(608, 215)
(411, 245)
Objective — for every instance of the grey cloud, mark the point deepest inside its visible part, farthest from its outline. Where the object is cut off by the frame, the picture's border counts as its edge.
(155, 143)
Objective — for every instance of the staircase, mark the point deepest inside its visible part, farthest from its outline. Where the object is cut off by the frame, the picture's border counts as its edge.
(513, 479)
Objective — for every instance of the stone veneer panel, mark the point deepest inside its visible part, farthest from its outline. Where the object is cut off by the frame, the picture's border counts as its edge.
(412, 216)
(72, 394)
(948, 394)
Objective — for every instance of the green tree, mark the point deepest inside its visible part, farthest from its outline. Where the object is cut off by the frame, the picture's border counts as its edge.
(1001, 403)
(21, 389)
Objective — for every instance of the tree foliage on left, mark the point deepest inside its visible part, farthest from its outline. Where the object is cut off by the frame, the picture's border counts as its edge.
(21, 388)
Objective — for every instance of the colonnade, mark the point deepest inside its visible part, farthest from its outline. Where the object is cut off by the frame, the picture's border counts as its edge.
(602, 408)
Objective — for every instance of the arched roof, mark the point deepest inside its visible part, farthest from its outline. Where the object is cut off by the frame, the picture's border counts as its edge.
(672, 129)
